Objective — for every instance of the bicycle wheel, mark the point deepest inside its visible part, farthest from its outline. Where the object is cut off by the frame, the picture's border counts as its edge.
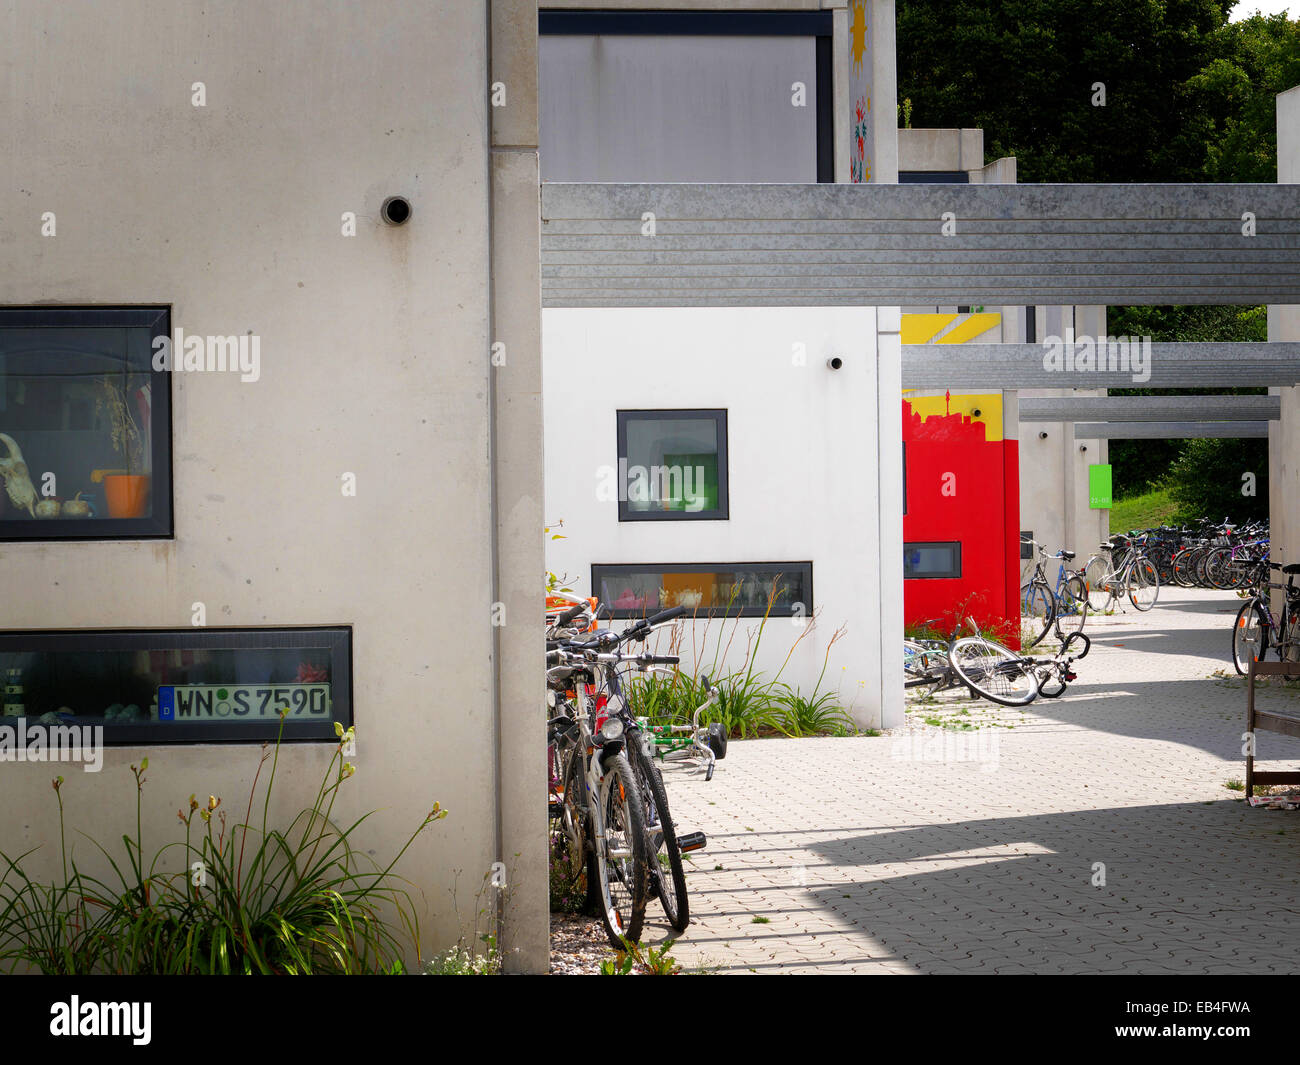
(1143, 584)
(1038, 611)
(1249, 636)
(993, 671)
(1218, 571)
(621, 860)
(667, 874)
(1072, 606)
(1184, 575)
(1094, 578)
(1288, 648)
(572, 869)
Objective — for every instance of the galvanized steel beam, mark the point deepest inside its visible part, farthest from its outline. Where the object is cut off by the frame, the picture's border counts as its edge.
(894, 245)
(994, 366)
(1169, 430)
(1151, 408)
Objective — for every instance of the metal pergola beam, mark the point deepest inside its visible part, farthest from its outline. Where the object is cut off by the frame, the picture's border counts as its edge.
(1169, 430)
(982, 367)
(682, 245)
(1151, 408)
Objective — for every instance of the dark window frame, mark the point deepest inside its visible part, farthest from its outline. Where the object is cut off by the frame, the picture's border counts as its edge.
(160, 525)
(949, 576)
(337, 637)
(933, 177)
(601, 569)
(815, 24)
(719, 415)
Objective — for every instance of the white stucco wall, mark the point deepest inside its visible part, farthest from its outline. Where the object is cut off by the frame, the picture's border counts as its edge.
(806, 464)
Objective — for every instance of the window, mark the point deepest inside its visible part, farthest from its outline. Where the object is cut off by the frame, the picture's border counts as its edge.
(85, 424)
(711, 96)
(672, 465)
(181, 686)
(929, 561)
(1026, 550)
(714, 589)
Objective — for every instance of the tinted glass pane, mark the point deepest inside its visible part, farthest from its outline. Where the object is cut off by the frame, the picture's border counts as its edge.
(636, 590)
(931, 560)
(83, 427)
(179, 686)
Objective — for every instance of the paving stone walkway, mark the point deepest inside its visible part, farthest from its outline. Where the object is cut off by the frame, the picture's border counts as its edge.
(933, 851)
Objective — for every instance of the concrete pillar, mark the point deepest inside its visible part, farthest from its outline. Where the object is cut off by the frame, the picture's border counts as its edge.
(872, 101)
(889, 563)
(1284, 325)
(515, 386)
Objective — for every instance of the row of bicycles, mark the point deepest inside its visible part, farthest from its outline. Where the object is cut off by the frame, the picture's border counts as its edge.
(1208, 554)
(614, 845)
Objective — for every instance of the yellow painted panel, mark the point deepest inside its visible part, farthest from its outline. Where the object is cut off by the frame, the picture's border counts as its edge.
(921, 328)
(972, 327)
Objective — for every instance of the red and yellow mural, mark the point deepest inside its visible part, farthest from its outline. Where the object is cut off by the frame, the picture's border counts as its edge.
(961, 513)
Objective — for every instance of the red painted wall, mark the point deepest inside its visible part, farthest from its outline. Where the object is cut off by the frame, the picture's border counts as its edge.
(963, 487)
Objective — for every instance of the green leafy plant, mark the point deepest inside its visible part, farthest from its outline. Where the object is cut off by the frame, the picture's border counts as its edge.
(249, 898)
(649, 961)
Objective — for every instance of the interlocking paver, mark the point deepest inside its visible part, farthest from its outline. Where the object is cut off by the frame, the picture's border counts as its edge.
(894, 854)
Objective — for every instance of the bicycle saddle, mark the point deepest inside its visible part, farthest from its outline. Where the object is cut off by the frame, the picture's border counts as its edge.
(1067, 555)
(1292, 569)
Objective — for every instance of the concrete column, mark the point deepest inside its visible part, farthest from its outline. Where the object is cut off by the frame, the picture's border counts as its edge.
(515, 385)
(889, 564)
(872, 90)
(1284, 325)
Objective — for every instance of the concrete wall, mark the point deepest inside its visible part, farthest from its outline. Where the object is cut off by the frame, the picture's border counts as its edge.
(809, 448)
(1284, 325)
(374, 361)
(1053, 470)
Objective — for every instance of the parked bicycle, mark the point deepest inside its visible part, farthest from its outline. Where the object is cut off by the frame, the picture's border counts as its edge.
(1064, 607)
(1121, 569)
(1257, 628)
(656, 854)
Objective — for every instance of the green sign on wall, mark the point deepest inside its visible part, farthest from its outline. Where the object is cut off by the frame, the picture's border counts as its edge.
(1099, 487)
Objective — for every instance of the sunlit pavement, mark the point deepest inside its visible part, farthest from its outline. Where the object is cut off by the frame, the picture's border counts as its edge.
(1094, 836)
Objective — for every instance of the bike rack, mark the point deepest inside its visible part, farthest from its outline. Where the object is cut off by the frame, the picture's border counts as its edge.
(1288, 724)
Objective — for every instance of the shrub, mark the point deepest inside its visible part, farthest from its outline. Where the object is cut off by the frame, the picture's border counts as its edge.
(248, 899)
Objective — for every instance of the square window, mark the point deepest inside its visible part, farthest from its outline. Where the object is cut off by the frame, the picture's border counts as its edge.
(931, 561)
(672, 465)
(180, 686)
(85, 450)
(711, 589)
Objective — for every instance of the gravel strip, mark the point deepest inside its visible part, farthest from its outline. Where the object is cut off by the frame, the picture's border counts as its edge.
(578, 945)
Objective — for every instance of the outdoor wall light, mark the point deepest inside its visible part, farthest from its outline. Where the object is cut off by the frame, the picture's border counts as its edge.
(835, 362)
(395, 210)
(1042, 436)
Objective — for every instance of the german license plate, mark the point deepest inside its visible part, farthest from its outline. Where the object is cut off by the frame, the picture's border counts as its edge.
(249, 702)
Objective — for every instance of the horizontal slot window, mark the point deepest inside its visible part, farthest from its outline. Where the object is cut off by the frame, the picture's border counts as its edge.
(734, 589)
(181, 686)
(931, 561)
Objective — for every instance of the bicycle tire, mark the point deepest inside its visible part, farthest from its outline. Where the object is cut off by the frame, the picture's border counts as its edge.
(1094, 579)
(993, 671)
(1072, 607)
(1249, 641)
(668, 885)
(621, 860)
(1039, 607)
(1183, 570)
(1143, 578)
(572, 855)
